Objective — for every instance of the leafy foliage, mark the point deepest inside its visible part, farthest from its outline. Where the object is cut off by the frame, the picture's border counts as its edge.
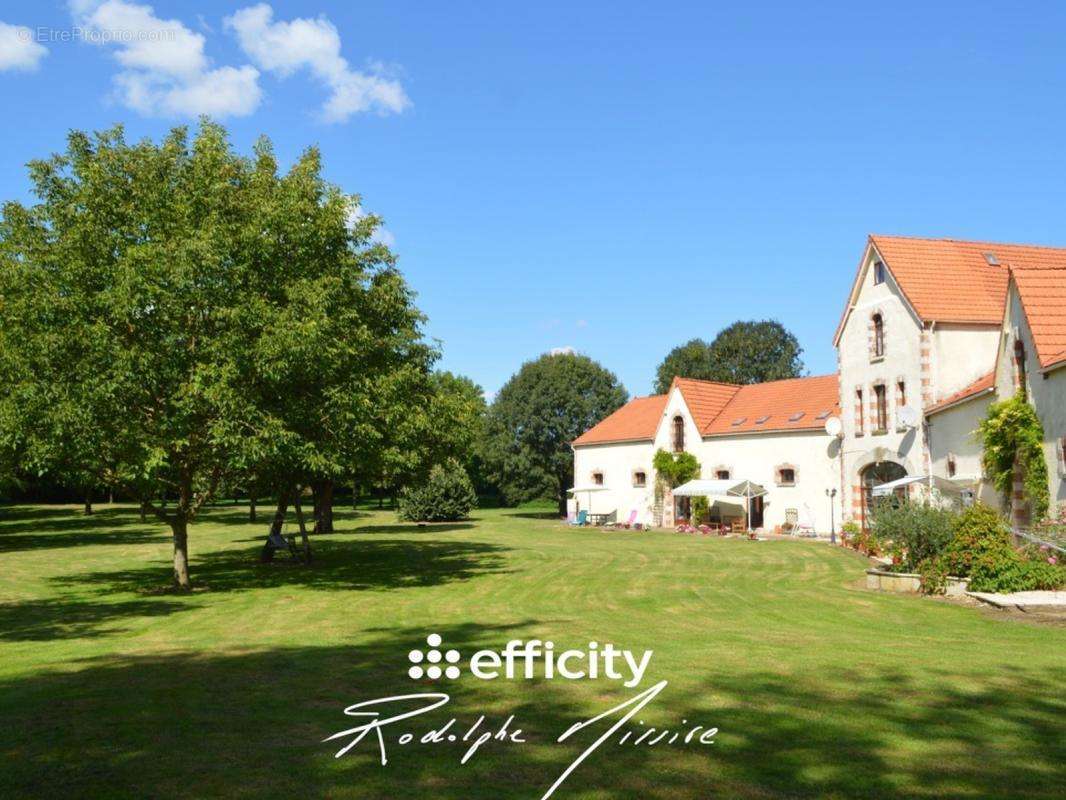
(1011, 432)
(674, 469)
(547, 404)
(979, 534)
(913, 532)
(447, 495)
(183, 318)
(745, 352)
(1014, 573)
(689, 360)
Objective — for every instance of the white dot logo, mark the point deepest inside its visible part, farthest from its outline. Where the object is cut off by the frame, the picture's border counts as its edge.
(434, 658)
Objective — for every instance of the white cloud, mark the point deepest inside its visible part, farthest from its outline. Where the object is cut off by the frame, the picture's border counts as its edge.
(381, 234)
(286, 47)
(562, 351)
(18, 50)
(226, 91)
(166, 71)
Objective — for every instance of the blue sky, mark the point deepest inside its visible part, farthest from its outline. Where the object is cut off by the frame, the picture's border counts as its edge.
(612, 177)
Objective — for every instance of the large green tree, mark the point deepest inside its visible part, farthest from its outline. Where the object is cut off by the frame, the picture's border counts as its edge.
(125, 287)
(340, 350)
(745, 352)
(196, 320)
(538, 412)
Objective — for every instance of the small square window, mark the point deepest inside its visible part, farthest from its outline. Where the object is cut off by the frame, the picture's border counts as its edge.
(640, 478)
(722, 474)
(786, 476)
(597, 478)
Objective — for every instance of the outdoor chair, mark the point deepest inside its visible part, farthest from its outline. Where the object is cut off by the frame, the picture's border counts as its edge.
(580, 519)
(629, 522)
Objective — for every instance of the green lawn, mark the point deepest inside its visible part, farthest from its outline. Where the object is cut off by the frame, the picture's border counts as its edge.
(110, 688)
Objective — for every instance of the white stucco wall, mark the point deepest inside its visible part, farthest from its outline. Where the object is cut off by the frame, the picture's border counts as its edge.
(756, 456)
(617, 462)
(901, 362)
(664, 439)
(960, 355)
(953, 431)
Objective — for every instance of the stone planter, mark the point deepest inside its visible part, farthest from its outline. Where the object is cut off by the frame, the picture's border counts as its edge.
(885, 581)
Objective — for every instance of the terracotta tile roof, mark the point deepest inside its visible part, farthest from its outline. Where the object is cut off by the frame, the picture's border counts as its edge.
(1043, 293)
(980, 386)
(705, 399)
(950, 280)
(636, 421)
(792, 404)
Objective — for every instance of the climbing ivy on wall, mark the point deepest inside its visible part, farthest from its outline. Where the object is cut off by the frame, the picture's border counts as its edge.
(1012, 431)
(674, 469)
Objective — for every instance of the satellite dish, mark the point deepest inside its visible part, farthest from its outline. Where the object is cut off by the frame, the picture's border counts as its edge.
(833, 427)
(908, 417)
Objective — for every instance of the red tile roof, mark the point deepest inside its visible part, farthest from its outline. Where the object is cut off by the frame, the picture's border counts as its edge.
(793, 404)
(786, 405)
(705, 399)
(950, 280)
(980, 386)
(1043, 293)
(637, 420)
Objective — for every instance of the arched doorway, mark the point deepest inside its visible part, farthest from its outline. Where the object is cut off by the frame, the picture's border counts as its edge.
(874, 475)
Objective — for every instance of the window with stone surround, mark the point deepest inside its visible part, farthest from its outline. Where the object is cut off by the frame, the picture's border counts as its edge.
(640, 478)
(881, 408)
(877, 349)
(679, 434)
(785, 475)
(860, 417)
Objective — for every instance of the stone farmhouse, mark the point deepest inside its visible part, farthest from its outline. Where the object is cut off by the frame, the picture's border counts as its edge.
(932, 332)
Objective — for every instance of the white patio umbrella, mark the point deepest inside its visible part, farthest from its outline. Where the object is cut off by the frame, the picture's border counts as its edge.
(722, 488)
(591, 489)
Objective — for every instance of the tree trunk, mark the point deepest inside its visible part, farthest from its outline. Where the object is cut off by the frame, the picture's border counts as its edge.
(179, 525)
(276, 524)
(562, 505)
(88, 508)
(251, 507)
(303, 528)
(323, 496)
(144, 511)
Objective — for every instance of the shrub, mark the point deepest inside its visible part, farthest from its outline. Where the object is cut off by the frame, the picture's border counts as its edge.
(701, 509)
(447, 495)
(913, 532)
(979, 533)
(934, 574)
(1014, 573)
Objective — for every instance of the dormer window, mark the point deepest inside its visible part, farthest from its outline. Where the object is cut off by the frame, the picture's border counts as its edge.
(879, 336)
(761, 420)
(796, 417)
(879, 272)
(679, 434)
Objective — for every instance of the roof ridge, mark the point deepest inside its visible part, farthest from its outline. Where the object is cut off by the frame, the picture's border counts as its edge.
(954, 240)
